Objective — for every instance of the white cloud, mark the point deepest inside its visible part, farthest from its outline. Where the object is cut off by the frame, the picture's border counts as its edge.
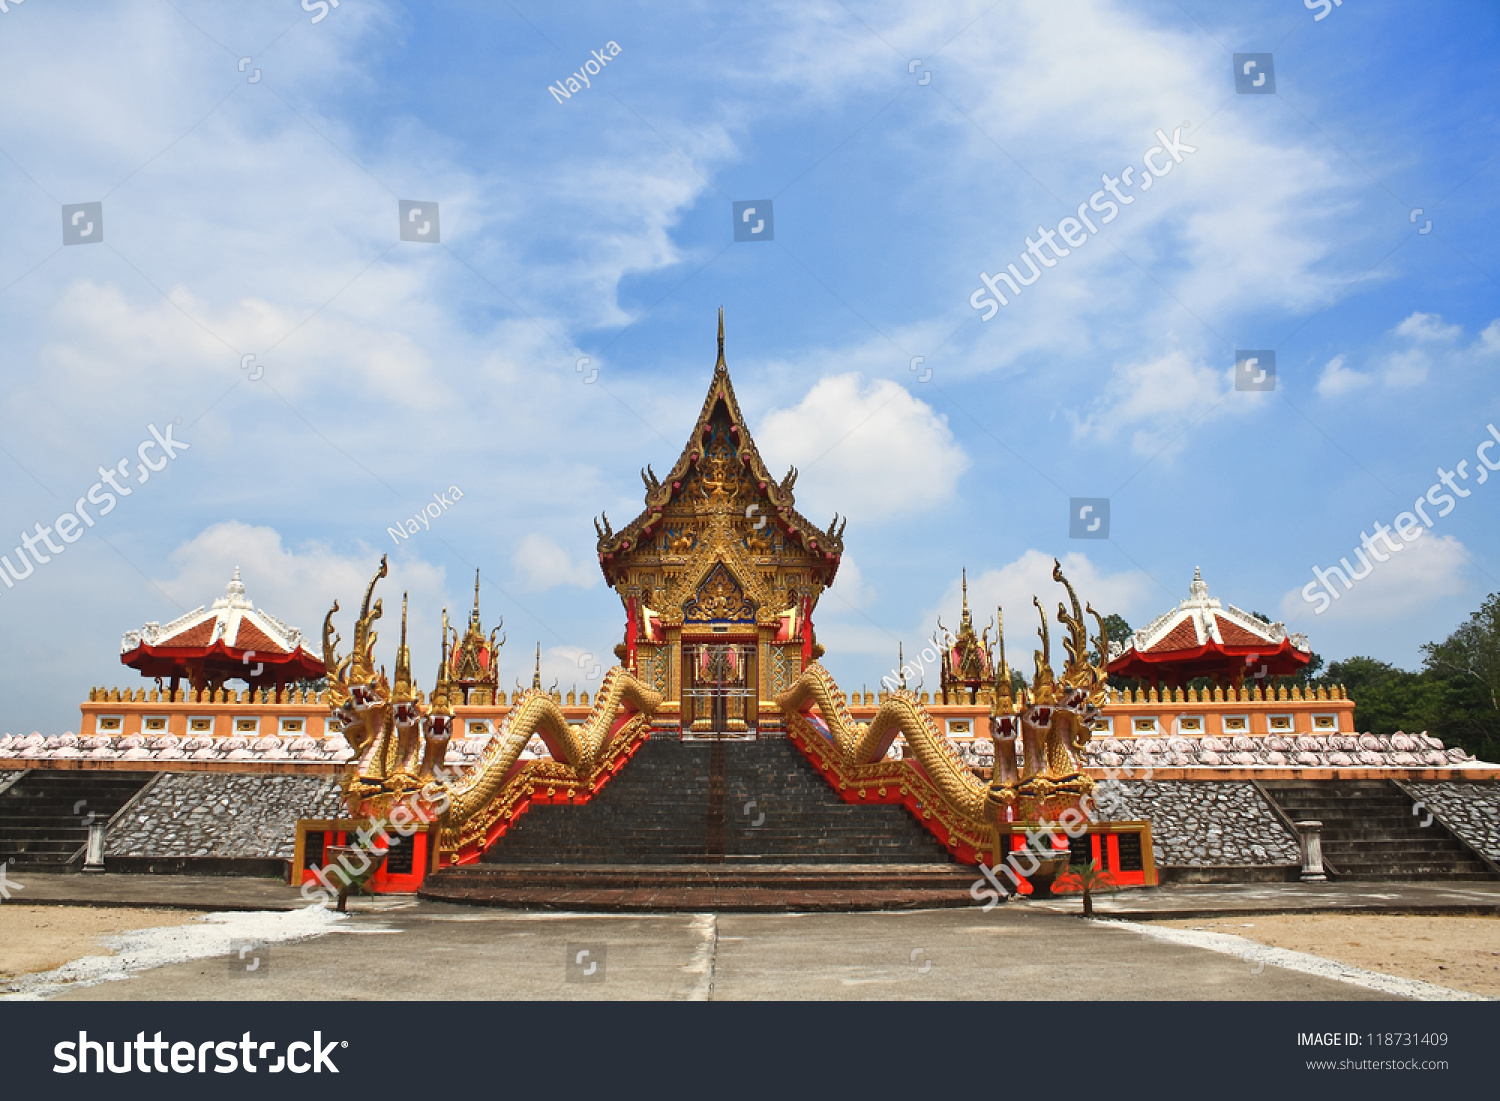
(870, 452)
(1012, 586)
(1489, 340)
(572, 667)
(544, 565)
(1428, 327)
(849, 589)
(299, 585)
(1159, 398)
(1406, 584)
(1405, 368)
(1337, 380)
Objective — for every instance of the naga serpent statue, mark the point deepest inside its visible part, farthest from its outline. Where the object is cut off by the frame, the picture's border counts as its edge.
(400, 740)
(1050, 722)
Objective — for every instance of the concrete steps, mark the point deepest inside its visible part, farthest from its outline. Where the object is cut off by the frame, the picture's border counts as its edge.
(1371, 833)
(44, 816)
(740, 803)
(705, 887)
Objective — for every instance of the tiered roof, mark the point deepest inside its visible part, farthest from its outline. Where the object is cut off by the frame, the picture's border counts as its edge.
(1202, 637)
(773, 497)
(228, 640)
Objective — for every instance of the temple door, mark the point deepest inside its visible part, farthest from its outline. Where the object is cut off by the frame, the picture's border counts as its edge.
(721, 699)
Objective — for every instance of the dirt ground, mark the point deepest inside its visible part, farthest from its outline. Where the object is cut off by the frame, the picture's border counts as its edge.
(1458, 952)
(39, 938)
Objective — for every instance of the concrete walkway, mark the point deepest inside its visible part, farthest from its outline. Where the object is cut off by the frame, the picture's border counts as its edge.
(433, 950)
(173, 892)
(1237, 899)
(210, 893)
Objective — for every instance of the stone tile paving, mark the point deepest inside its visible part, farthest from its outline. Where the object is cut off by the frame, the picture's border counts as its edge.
(1472, 811)
(1202, 824)
(218, 814)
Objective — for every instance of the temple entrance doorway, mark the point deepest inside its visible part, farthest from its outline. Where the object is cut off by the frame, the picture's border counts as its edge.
(719, 693)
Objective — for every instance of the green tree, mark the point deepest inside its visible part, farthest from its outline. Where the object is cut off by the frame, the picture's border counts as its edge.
(1386, 699)
(1119, 631)
(1465, 670)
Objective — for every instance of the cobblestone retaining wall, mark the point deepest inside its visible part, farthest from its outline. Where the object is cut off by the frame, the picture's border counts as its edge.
(1203, 824)
(225, 815)
(1472, 811)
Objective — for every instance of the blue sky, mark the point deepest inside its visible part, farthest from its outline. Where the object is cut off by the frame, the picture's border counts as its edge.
(260, 218)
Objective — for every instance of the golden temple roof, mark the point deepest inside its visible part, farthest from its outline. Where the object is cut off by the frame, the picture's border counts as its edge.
(772, 497)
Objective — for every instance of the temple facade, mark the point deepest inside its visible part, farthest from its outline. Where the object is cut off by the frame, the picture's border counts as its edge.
(718, 702)
(719, 576)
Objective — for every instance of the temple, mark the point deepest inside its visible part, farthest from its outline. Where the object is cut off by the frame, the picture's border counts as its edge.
(470, 663)
(1203, 638)
(968, 673)
(230, 640)
(719, 575)
(721, 746)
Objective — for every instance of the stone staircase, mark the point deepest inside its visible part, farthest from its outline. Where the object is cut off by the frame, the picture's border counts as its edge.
(1370, 831)
(739, 803)
(44, 815)
(745, 888)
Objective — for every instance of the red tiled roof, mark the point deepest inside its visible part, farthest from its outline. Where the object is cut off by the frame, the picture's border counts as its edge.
(251, 637)
(1235, 635)
(1181, 637)
(200, 634)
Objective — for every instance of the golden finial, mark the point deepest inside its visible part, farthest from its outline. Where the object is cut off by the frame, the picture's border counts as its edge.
(536, 675)
(474, 615)
(901, 664)
(721, 365)
(403, 690)
(441, 704)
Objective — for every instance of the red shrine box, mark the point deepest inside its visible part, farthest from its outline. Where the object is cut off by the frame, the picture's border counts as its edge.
(402, 868)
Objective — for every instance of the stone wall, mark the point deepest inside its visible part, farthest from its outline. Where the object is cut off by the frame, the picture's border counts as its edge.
(1472, 810)
(212, 814)
(1203, 824)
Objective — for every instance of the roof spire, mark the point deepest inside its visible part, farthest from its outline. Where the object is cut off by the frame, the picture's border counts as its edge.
(402, 691)
(536, 676)
(236, 586)
(965, 619)
(474, 616)
(721, 365)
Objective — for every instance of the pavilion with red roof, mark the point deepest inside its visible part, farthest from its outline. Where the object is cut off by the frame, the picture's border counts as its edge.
(231, 640)
(1203, 638)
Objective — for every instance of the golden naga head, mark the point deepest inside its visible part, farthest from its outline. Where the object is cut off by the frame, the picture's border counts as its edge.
(358, 668)
(1079, 672)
